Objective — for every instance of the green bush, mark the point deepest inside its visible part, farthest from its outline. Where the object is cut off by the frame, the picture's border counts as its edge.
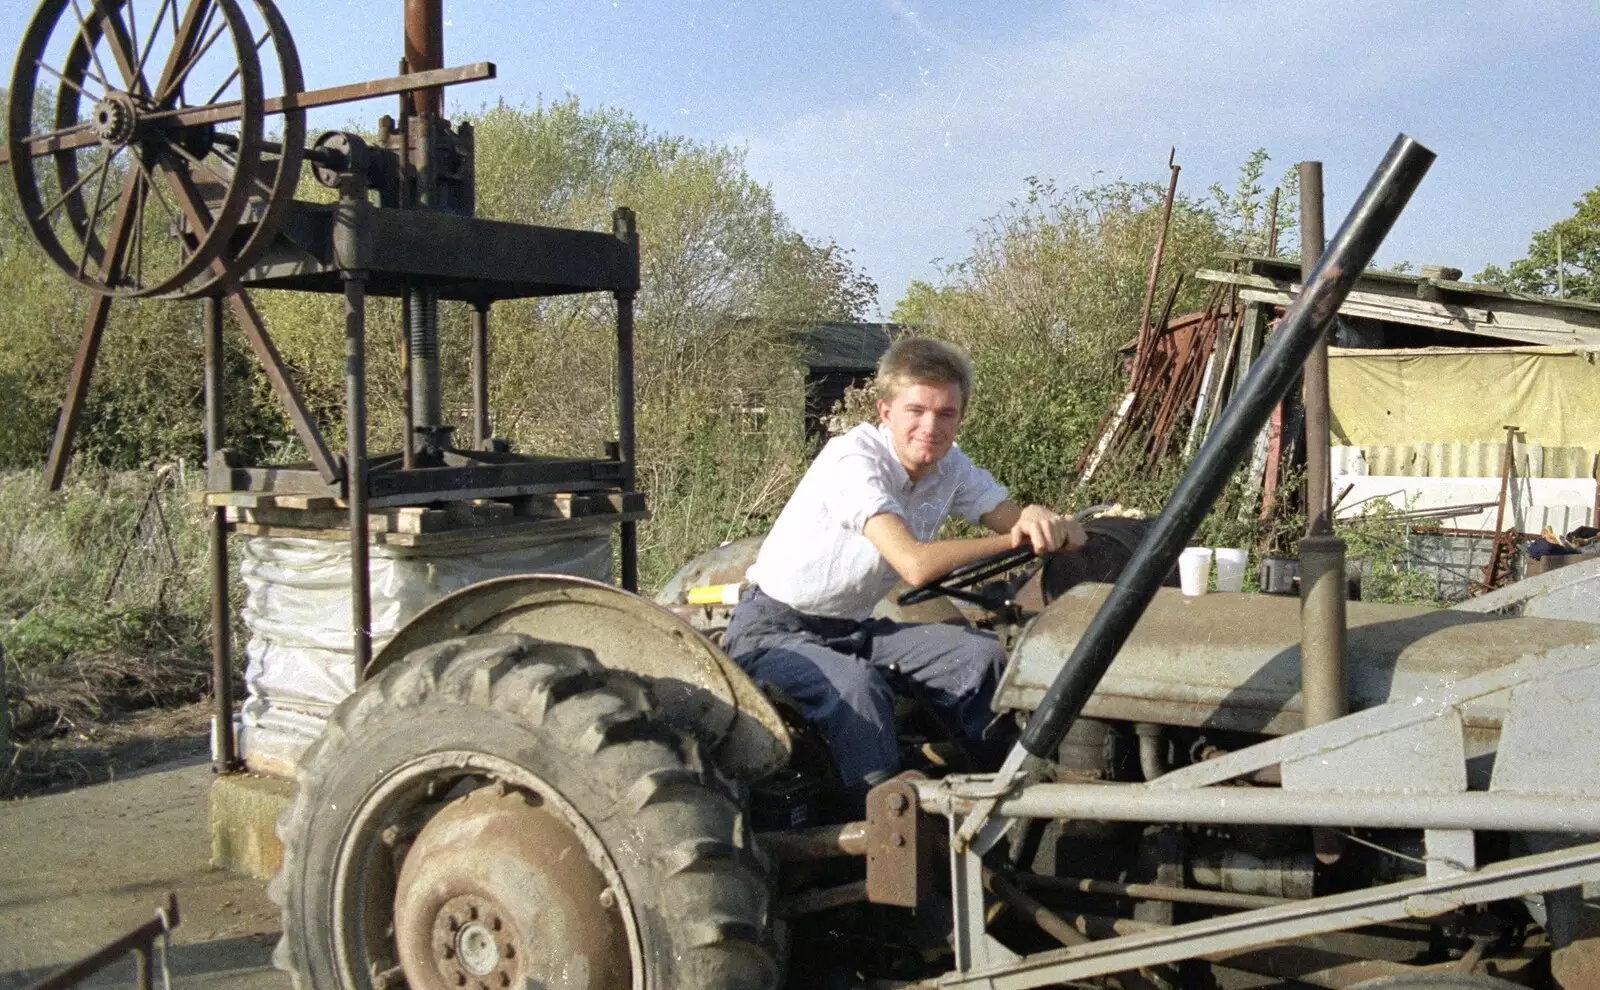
(1377, 541)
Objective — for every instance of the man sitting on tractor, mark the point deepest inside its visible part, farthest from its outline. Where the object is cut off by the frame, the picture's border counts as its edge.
(868, 512)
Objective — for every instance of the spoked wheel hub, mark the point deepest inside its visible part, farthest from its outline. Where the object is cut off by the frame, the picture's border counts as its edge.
(114, 119)
(498, 891)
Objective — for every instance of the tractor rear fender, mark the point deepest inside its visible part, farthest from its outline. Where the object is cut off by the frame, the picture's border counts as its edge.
(695, 684)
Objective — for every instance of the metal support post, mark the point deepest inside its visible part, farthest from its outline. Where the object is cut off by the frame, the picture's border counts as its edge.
(1319, 487)
(974, 947)
(623, 226)
(225, 759)
(355, 475)
(480, 375)
(1324, 687)
(424, 47)
(408, 436)
(426, 392)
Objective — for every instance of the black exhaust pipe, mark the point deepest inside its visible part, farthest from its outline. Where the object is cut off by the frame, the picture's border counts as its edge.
(1270, 378)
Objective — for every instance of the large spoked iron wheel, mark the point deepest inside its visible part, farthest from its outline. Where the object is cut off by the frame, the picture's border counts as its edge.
(136, 139)
(500, 812)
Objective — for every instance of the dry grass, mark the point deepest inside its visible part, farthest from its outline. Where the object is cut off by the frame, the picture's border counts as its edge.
(105, 625)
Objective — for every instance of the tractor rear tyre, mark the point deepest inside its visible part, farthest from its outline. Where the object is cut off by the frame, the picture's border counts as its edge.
(496, 811)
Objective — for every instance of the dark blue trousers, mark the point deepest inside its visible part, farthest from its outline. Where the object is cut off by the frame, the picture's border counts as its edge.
(835, 670)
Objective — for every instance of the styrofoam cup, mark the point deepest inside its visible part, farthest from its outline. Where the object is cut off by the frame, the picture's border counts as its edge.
(1194, 570)
(1230, 568)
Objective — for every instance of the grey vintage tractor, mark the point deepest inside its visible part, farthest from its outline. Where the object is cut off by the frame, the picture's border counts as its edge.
(550, 782)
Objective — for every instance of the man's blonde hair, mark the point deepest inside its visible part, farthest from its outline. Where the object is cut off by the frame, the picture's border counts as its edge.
(923, 361)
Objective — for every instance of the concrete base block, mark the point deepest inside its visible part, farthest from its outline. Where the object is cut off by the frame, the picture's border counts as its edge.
(244, 817)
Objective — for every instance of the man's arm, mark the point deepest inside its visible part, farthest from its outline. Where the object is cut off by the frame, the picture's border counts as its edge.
(1046, 530)
(916, 562)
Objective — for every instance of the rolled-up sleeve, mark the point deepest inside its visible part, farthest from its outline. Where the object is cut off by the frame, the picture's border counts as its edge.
(978, 493)
(863, 491)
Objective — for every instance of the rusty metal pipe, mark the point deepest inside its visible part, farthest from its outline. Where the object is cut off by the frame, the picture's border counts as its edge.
(1324, 689)
(480, 375)
(821, 899)
(1080, 929)
(141, 940)
(625, 228)
(822, 842)
(1324, 676)
(1051, 923)
(1270, 378)
(1319, 489)
(355, 364)
(1155, 260)
(225, 759)
(424, 49)
(1151, 892)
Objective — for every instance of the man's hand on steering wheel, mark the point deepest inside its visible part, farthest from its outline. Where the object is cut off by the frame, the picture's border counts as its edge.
(1046, 531)
(1036, 531)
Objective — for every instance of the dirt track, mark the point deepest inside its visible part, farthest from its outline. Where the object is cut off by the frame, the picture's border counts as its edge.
(81, 868)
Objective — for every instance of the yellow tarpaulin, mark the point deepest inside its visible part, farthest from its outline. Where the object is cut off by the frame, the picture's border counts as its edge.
(1465, 395)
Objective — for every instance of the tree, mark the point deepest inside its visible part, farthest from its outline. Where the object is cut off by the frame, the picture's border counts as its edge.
(725, 281)
(1565, 255)
(1052, 288)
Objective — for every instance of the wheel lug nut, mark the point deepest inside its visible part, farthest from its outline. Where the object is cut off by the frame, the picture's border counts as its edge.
(608, 898)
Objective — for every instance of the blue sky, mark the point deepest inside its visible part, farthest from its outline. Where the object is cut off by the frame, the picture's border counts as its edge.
(896, 126)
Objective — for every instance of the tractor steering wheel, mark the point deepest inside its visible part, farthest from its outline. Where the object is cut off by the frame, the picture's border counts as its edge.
(967, 575)
(976, 572)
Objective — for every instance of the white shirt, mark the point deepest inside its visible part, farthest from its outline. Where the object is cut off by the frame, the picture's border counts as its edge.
(816, 559)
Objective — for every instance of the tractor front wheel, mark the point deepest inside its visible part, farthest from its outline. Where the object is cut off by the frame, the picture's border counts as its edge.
(496, 811)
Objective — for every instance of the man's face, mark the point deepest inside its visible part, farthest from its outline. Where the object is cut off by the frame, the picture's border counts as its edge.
(922, 421)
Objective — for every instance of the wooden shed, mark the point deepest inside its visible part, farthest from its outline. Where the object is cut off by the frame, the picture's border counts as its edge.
(839, 356)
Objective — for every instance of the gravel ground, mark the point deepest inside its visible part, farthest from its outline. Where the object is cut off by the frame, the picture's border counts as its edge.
(82, 868)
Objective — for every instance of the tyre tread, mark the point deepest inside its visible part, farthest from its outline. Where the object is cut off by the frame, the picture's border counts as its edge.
(706, 875)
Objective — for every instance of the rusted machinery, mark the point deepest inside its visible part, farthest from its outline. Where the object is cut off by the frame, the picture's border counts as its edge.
(548, 781)
(141, 942)
(137, 141)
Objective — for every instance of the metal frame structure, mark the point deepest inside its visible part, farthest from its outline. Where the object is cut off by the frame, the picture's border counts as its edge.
(420, 242)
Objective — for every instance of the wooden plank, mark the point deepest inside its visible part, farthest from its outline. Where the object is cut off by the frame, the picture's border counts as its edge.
(304, 519)
(416, 519)
(305, 502)
(572, 505)
(412, 540)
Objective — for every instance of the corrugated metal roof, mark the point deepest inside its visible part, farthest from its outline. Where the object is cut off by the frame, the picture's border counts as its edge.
(1439, 304)
(1463, 460)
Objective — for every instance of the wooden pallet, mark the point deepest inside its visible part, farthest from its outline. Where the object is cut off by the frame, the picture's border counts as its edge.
(320, 517)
